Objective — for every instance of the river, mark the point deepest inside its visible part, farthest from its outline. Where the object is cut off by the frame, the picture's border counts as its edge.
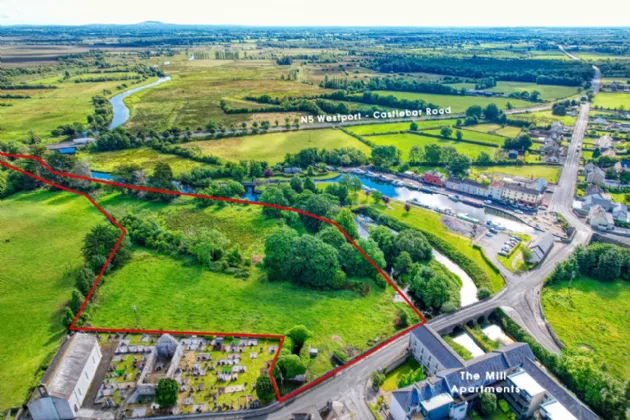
(120, 111)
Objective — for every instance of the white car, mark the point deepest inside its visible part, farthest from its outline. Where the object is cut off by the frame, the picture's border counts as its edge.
(518, 211)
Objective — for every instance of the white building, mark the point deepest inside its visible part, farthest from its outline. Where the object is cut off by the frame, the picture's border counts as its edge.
(595, 176)
(67, 380)
(514, 193)
(530, 394)
(599, 219)
(620, 212)
(541, 247)
(553, 410)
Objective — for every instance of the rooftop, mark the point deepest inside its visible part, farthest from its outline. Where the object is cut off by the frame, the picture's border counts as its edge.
(555, 410)
(525, 382)
(437, 401)
(438, 347)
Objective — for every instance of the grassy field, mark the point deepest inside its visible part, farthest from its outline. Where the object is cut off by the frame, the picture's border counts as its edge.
(274, 146)
(550, 173)
(547, 92)
(474, 136)
(429, 221)
(391, 380)
(401, 126)
(456, 102)
(610, 100)
(506, 131)
(40, 245)
(193, 95)
(405, 141)
(600, 312)
(146, 157)
(49, 108)
(543, 118)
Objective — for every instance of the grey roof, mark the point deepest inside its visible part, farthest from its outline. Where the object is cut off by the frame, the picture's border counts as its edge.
(594, 189)
(544, 243)
(63, 373)
(438, 347)
(563, 396)
(520, 188)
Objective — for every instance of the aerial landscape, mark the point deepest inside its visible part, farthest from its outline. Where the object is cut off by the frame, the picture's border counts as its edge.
(257, 214)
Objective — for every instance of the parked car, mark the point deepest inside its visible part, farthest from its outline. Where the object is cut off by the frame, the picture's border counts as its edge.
(516, 238)
(488, 201)
(489, 234)
(518, 211)
(503, 254)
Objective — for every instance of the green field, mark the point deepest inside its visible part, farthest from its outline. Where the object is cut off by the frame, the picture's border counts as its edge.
(400, 126)
(391, 379)
(146, 157)
(473, 136)
(40, 246)
(457, 103)
(547, 92)
(405, 141)
(193, 95)
(49, 108)
(506, 131)
(610, 100)
(274, 146)
(544, 118)
(600, 310)
(550, 173)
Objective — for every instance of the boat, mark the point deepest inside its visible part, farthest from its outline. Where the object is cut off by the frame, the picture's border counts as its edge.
(454, 197)
(466, 217)
(473, 203)
(426, 190)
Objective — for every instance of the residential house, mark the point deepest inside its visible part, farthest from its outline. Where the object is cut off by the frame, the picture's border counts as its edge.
(557, 128)
(598, 199)
(620, 212)
(467, 186)
(622, 166)
(596, 176)
(604, 143)
(496, 190)
(551, 146)
(540, 247)
(512, 154)
(593, 189)
(529, 394)
(540, 185)
(292, 171)
(599, 121)
(67, 380)
(610, 152)
(434, 177)
(515, 193)
(600, 219)
(451, 391)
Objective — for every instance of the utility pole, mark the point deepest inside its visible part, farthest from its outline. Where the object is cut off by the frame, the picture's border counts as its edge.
(135, 313)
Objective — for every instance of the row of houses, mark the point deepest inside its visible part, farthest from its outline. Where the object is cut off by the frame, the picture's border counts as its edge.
(611, 125)
(453, 384)
(529, 195)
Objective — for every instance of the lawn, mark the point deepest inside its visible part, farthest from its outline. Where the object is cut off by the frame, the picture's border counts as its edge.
(49, 108)
(550, 173)
(547, 92)
(146, 157)
(544, 118)
(457, 103)
(40, 246)
(405, 141)
(594, 316)
(426, 220)
(473, 136)
(610, 100)
(400, 126)
(391, 379)
(274, 146)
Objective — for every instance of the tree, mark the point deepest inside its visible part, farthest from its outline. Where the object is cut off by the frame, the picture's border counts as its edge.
(386, 242)
(407, 207)
(527, 254)
(483, 159)
(277, 246)
(100, 241)
(491, 112)
(234, 257)
(310, 185)
(299, 334)
(273, 196)
(332, 236)
(355, 264)
(446, 132)
(76, 301)
(385, 156)
(296, 184)
(487, 403)
(415, 154)
(414, 243)
(166, 392)
(345, 219)
(68, 317)
(377, 196)
(474, 111)
(264, 388)
(403, 263)
(413, 126)
(411, 378)
(317, 205)
(433, 153)
(311, 262)
(377, 380)
(459, 135)
(290, 365)
(435, 294)
(162, 179)
(210, 245)
(85, 280)
(459, 164)
(483, 293)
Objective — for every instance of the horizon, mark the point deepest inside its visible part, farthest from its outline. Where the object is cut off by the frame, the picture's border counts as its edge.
(325, 13)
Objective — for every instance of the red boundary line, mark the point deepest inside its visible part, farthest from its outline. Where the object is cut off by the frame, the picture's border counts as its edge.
(231, 200)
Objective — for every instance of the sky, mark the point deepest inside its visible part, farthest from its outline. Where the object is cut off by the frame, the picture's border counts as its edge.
(320, 12)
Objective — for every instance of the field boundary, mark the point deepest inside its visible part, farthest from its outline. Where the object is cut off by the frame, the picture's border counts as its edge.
(73, 326)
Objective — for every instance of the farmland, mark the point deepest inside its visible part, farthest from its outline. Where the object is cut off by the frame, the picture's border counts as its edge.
(406, 141)
(549, 172)
(600, 309)
(402, 126)
(506, 131)
(544, 118)
(40, 247)
(273, 147)
(474, 136)
(458, 103)
(547, 92)
(145, 157)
